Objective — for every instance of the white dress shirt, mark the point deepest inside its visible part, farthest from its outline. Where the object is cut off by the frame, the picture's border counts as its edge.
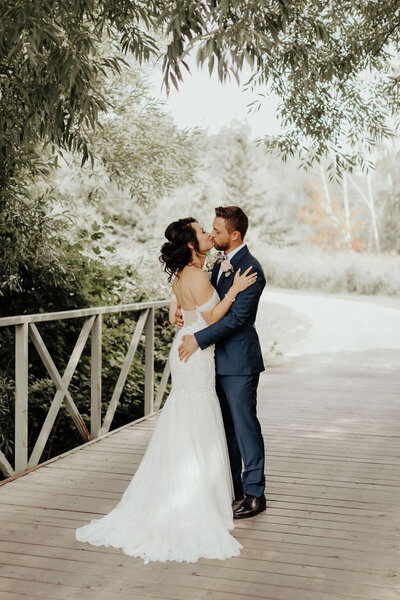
(228, 257)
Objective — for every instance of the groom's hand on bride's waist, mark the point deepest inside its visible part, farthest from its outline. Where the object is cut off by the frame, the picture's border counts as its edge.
(188, 347)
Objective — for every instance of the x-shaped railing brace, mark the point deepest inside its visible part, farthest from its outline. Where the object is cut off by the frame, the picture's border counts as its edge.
(61, 384)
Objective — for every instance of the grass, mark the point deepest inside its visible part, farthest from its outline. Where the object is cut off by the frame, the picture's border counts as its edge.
(334, 272)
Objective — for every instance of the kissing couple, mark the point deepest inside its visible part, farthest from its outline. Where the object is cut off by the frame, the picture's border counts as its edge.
(207, 451)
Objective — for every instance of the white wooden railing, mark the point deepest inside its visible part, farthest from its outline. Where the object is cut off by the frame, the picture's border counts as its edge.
(25, 328)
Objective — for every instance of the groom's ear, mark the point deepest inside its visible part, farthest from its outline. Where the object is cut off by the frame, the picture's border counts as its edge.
(236, 236)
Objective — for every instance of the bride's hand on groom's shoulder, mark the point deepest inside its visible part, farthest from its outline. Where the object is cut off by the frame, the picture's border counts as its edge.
(244, 280)
(188, 346)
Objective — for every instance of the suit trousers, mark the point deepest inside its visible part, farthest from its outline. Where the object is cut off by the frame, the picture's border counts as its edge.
(238, 399)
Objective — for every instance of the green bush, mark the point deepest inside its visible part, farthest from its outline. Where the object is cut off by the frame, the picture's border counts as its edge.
(75, 280)
(334, 272)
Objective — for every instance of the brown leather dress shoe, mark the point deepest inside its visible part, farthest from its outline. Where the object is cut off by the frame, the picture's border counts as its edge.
(250, 507)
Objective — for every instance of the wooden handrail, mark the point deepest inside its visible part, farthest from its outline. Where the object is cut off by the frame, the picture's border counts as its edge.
(80, 312)
(25, 328)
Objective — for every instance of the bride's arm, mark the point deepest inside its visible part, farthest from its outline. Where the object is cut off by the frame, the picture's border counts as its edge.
(173, 305)
(202, 292)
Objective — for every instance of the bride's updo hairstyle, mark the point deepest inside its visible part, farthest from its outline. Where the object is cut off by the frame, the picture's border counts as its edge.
(176, 254)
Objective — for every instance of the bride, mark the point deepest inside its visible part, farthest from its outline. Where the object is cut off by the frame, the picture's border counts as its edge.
(178, 505)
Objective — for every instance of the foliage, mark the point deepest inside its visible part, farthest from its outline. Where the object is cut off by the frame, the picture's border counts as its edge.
(141, 154)
(59, 338)
(284, 206)
(223, 164)
(246, 172)
(76, 281)
(327, 223)
(233, 169)
(50, 64)
(42, 271)
(6, 415)
(388, 199)
(139, 145)
(331, 64)
(331, 272)
(27, 236)
(55, 259)
(58, 79)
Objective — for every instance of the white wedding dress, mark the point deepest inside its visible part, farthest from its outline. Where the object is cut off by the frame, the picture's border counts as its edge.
(178, 505)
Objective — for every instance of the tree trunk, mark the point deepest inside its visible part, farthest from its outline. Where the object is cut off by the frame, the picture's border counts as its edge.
(346, 209)
(328, 207)
(369, 201)
(373, 213)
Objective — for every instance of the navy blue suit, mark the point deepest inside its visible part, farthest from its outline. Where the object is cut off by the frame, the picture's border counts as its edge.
(239, 362)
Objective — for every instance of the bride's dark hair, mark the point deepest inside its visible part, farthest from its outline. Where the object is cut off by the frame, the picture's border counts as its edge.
(176, 254)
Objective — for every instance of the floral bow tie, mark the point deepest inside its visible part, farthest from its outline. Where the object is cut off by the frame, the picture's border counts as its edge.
(220, 257)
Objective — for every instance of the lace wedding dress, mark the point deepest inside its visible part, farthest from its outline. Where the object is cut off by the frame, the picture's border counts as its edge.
(178, 505)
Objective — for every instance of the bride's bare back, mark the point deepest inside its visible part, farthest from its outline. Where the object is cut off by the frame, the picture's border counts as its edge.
(193, 290)
(192, 287)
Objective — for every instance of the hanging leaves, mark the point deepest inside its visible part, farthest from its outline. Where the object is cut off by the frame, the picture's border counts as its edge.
(51, 64)
(326, 61)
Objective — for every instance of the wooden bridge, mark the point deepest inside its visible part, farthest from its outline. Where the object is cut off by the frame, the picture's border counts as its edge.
(331, 530)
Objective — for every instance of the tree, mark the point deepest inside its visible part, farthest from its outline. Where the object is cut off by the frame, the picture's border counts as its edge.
(50, 63)
(387, 185)
(232, 169)
(142, 157)
(139, 145)
(328, 223)
(139, 149)
(313, 54)
(370, 203)
(55, 58)
(333, 64)
(249, 181)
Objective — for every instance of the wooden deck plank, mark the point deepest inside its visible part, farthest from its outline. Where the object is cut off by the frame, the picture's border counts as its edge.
(268, 522)
(371, 493)
(239, 568)
(331, 530)
(273, 514)
(373, 562)
(273, 518)
(311, 536)
(75, 593)
(252, 559)
(307, 578)
(157, 581)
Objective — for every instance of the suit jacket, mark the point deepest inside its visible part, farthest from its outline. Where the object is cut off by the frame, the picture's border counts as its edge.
(237, 347)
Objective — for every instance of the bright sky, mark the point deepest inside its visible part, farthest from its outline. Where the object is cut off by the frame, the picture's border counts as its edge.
(203, 101)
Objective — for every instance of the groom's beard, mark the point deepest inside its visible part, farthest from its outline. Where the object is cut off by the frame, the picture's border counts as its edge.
(221, 247)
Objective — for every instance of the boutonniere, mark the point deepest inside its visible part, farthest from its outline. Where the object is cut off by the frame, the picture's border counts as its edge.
(212, 261)
(208, 267)
(227, 267)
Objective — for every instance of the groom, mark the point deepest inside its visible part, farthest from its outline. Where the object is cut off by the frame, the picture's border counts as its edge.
(238, 360)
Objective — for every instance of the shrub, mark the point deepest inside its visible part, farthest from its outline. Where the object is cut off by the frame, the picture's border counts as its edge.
(76, 280)
(333, 272)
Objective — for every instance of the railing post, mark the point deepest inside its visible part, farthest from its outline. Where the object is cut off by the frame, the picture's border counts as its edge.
(21, 397)
(149, 364)
(162, 385)
(95, 400)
